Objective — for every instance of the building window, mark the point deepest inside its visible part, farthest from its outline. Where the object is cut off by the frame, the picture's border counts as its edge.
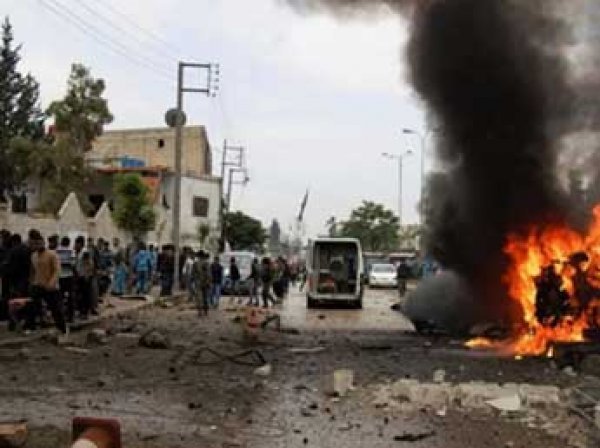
(200, 207)
(161, 143)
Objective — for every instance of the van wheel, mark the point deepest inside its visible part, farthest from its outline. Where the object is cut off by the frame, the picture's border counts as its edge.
(359, 304)
(310, 302)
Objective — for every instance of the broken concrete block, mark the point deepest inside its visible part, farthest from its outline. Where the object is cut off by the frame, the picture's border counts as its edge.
(343, 382)
(13, 435)
(539, 396)
(439, 376)
(591, 365)
(475, 394)
(97, 336)
(155, 339)
(264, 371)
(511, 403)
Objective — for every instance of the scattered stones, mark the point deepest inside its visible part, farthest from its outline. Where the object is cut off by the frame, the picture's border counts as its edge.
(264, 371)
(342, 383)
(511, 403)
(97, 336)
(154, 339)
(306, 350)
(77, 350)
(591, 365)
(306, 413)
(569, 371)
(439, 376)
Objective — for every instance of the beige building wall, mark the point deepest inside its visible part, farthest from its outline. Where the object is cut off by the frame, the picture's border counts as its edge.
(156, 146)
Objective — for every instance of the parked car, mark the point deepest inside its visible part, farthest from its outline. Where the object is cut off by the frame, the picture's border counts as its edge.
(244, 262)
(334, 271)
(383, 276)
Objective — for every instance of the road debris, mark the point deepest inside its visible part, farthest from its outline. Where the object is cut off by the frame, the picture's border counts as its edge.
(13, 434)
(97, 336)
(511, 403)
(154, 339)
(306, 350)
(342, 382)
(77, 350)
(414, 437)
(439, 376)
(264, 371)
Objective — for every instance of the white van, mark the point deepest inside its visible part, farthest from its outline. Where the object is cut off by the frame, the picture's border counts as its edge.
(334, 271)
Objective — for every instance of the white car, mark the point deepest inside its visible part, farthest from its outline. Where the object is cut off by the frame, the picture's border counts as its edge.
(383, 276)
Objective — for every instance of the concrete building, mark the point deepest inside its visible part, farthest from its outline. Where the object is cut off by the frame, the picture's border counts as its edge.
(150, 153)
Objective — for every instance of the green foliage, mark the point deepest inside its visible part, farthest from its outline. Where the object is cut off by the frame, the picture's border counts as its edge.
(59, 168)
(81, 116)
(202, 232)
(133, 209)
(375, 226)
(244, 232)
(20, 113)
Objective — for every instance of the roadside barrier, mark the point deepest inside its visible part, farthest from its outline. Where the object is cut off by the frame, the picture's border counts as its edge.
(96, 433)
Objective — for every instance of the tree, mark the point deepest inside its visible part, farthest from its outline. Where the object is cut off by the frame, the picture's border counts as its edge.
(81, 115)
(244, 232)
(20, 113)
(133, 209)
(375, 226)
(202, 233)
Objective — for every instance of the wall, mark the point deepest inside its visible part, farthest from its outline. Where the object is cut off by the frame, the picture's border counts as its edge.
(144, 144)
(205, 186)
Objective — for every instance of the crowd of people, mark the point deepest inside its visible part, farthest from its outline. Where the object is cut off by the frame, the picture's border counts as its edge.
(69, 279)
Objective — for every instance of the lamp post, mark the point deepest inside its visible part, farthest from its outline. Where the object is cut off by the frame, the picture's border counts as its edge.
(400, 159)
(422, 198)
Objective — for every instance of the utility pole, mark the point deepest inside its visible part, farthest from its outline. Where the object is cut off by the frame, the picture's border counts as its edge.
(176, 118)
(400, 159)
(237, 164)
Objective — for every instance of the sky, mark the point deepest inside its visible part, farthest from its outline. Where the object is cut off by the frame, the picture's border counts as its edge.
(316, 100)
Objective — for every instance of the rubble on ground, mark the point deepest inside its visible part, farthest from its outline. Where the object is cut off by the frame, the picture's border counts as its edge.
(155, 339)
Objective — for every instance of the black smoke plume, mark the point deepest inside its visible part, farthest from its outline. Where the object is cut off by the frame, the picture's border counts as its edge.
(494, 77)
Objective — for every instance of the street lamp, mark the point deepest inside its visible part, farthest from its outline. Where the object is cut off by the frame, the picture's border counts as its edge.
(400, 159)
(422, 138)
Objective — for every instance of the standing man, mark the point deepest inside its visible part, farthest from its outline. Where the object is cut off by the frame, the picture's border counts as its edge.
(216, 273)
(201, 277)
(46, 272)
(4, 286)
(142, 266)
(65, 280)
(253, 282)
(235, 277)
(84, 272)
(105, 268)
(166, 267)
(402, 275)
(18, 268)
(94, 253)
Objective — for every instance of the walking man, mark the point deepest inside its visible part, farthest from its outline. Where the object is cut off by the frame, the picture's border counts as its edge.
(253, 282)
(266, 276)
(83, 275)
(143, 266)
(216, 273)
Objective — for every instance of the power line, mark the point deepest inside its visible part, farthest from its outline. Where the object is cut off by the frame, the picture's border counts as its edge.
(152, 35)
(141, 42)
(91, 31)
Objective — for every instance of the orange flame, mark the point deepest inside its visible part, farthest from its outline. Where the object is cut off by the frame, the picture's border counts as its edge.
(529, 255)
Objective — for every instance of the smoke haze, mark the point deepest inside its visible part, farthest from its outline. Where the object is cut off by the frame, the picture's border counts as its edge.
(495, 78)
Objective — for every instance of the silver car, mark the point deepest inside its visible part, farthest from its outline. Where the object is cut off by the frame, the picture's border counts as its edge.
(383, 276)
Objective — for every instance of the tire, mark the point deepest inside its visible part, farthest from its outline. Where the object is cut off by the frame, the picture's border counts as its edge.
(310, 302)
(359, 304)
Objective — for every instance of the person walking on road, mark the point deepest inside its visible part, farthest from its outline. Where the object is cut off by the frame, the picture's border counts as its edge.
(253, 283)
(216, 273)
(402, 275)
(83, 275)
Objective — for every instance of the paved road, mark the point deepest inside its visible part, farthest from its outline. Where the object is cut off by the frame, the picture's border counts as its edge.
(375, 315)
